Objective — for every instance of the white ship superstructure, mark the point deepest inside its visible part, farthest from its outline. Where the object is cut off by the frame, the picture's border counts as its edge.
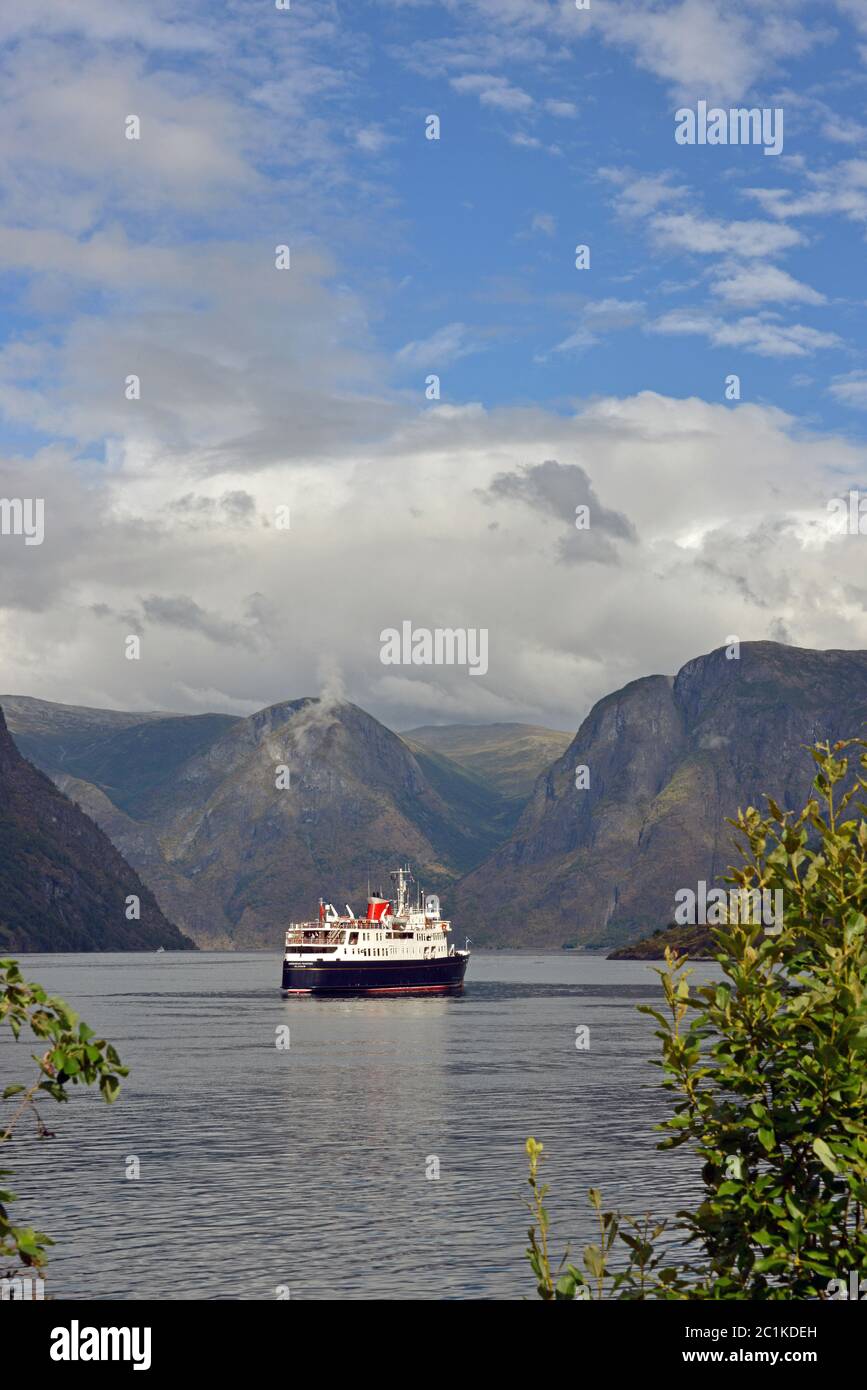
(400, 945)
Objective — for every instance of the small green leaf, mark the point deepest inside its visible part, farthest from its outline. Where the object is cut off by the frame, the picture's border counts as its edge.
(109, 1086)
(821, 1150)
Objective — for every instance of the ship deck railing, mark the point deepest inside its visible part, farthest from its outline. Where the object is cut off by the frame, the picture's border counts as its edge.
(331, 935)
(299, 936)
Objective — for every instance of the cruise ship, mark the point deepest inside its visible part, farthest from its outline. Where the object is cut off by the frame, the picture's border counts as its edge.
(400, 946)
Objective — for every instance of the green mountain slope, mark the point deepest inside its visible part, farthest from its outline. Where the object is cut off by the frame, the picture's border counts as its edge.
(126, 755)
(484, 816)
(508, 757)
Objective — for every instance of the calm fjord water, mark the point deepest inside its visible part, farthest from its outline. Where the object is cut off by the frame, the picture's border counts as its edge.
(306, 1168)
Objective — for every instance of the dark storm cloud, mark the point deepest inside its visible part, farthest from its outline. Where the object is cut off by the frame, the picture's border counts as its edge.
(558, 490)
(182, 612)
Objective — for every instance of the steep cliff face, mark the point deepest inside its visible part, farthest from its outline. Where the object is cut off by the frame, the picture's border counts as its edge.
(63, 885)
(668, 761)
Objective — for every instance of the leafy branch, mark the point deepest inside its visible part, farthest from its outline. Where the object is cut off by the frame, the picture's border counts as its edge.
(71, 1055)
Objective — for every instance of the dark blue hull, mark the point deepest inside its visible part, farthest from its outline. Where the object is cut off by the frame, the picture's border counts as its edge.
(443, 976)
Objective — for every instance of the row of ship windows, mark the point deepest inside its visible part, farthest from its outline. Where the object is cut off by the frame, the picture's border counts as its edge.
(374, 951)
(352, 939)
(396, 936)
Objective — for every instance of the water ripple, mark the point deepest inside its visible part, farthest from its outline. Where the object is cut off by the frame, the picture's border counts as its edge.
(307, 1168)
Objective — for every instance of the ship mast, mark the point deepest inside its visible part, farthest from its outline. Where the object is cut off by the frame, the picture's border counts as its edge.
(401, 878)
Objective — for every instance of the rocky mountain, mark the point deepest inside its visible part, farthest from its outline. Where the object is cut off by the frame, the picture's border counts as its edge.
(193, 802)
(507, 757)
(668, 761)
(241, 824)
(63, 884)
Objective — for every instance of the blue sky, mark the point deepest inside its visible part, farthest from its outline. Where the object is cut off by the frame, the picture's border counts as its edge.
(576, 144)
(410, 256)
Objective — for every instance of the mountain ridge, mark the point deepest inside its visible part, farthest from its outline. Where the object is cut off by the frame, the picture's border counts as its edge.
(669, 760)
(63, 884)
(509, 756)
(228, 854)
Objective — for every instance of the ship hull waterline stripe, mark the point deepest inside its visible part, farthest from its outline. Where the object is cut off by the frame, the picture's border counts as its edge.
(380, 989)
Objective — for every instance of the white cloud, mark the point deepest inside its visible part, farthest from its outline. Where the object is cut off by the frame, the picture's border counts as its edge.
(851, 389)
(638, 194)
(856, 11)
(841, 188)
(707, 48)
(524, 141)
(103, 21)
(706, 236)
(566, 110)
(761, 284)
(261, 389)
(190, 154)
(844, 131)
(762, 334)
(446, 345)
(373, 139)
(493, 90)
(211, 352)
(672, 469)
(544, 222)
(598, 318)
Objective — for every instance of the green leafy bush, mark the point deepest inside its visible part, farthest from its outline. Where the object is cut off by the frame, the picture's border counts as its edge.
(768, 1073)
